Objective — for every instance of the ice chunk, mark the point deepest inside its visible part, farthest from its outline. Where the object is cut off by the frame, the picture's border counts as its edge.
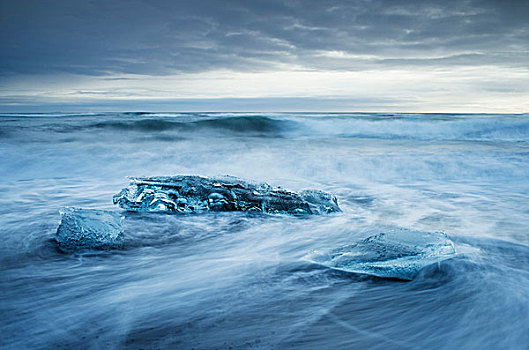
(396, 254)
(89, 228)
(187, 194)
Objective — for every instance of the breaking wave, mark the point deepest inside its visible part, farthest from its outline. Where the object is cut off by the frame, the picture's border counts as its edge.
(422, 127)
(257, 125)
(443, 128)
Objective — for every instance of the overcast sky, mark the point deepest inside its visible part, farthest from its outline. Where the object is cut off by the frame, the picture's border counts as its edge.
(266, 55)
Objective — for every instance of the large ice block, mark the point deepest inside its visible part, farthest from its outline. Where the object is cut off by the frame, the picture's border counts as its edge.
(186, 194)
(89, 228)
(396, 254)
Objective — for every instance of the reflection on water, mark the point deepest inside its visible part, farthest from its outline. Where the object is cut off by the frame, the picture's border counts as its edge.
(222, 280)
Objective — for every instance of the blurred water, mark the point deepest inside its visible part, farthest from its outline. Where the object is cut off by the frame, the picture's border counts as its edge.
(224, 280)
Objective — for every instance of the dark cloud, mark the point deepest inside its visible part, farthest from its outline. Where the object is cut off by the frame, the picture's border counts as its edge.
(101, 37)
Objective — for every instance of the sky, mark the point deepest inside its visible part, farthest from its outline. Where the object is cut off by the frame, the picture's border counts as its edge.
(467, 56)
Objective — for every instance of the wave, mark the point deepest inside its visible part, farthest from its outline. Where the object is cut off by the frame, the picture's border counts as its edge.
(442, 128)
(256, 125)
(427, 127)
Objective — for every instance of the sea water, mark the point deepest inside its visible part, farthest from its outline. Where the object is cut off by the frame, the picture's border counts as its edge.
(225, 280)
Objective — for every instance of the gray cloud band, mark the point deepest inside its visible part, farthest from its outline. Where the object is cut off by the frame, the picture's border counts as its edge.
(161, 37)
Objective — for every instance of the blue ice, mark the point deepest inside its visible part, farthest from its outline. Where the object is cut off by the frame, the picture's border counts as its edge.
(399, 254)
(186, 194)
(89, 228)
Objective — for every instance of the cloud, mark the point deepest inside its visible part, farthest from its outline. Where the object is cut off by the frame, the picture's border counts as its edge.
(422, 89)
(162, 37)
(405, 55)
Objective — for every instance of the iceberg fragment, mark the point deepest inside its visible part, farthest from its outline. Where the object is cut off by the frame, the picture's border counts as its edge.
(396, 254)
(186, 194)
(89, 228)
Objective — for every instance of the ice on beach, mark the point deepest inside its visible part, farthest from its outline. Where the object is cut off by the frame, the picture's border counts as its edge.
(89, 228)
(396, 254)
(186, 194)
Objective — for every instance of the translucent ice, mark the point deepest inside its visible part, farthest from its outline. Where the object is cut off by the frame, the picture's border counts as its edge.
(195, 193)
(89, 228)
(396, 254)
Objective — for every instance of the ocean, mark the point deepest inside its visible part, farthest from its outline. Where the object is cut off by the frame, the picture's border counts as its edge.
(233, 280)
